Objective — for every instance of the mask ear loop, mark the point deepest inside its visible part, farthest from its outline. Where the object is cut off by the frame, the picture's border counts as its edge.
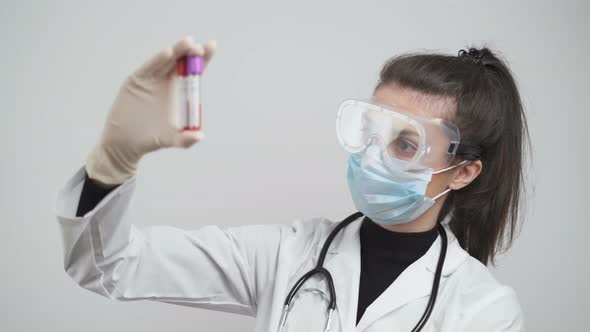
(439, 195)
(450, 167)
(444, 170)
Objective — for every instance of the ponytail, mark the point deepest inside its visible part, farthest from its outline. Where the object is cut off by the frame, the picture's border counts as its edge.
(484, 214)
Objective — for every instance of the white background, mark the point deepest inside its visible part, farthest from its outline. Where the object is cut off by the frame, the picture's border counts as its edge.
(271, 154)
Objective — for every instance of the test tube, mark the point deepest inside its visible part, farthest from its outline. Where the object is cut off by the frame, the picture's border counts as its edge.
(189, 69)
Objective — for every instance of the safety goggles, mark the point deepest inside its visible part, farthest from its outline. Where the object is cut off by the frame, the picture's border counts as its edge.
(417, 142)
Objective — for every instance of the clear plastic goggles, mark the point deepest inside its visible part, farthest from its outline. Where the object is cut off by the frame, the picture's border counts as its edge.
(415, 141)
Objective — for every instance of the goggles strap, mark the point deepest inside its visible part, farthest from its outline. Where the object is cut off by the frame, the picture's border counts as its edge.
(469, 151)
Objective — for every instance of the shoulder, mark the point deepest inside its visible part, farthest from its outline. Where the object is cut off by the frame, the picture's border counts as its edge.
(296, 235)
(486, 304)
(304, 227)
(312, 229)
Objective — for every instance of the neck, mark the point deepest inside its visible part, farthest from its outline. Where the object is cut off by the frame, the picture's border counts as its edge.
(423, 223)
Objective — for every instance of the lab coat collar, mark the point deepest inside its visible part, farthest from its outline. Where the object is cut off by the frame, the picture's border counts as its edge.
(455, 254)
(415, 282)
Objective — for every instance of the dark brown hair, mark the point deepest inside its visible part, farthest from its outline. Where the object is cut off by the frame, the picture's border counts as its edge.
(484, 214)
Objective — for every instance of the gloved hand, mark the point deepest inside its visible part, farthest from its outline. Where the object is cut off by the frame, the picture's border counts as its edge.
(142, 118)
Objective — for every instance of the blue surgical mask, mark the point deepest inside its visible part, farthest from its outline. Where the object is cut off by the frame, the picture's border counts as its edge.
(384, 191)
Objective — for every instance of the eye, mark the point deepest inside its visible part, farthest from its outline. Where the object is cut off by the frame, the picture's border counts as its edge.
(403, 148)
(403, 145)
(406, 145)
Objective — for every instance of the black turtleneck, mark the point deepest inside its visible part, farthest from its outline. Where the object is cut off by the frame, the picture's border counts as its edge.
(384, 256)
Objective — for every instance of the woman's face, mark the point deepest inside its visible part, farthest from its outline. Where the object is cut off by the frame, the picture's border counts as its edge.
(431, 106)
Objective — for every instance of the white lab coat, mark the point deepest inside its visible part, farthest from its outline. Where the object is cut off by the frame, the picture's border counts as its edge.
(250, 269)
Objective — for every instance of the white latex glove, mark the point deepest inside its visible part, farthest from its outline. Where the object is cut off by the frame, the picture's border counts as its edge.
(142, 118)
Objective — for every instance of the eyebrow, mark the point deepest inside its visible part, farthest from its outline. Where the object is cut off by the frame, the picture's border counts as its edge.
(406, 132)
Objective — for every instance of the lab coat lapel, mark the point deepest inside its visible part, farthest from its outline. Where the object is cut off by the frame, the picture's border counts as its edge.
(415, 281)
(343, 262)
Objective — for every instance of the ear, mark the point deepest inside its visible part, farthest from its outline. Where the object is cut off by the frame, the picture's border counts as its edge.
(464, 174)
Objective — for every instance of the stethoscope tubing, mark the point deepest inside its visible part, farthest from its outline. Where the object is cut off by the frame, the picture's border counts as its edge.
(319, 269)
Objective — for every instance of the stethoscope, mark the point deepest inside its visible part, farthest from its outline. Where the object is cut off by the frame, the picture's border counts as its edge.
(319, 269)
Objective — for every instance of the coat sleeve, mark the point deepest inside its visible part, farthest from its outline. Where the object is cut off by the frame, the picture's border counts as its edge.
(216, 268)
(497, 311)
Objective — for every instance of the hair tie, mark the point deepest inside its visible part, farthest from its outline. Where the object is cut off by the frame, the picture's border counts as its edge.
(473, 53)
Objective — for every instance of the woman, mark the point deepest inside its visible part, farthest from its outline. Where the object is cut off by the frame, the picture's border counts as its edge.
(435, 171)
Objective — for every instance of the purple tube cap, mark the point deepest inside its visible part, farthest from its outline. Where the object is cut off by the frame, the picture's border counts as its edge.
(194, 65)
